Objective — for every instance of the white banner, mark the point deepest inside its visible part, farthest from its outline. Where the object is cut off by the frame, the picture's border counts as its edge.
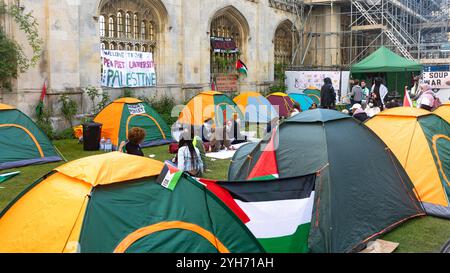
(298, 81)
(130, 69)
(437, 80)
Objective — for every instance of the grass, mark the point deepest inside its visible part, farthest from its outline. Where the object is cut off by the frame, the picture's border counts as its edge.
(423, 235)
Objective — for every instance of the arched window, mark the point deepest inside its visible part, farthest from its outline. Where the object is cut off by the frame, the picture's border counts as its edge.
(151, 31)
(135, 26)
(144, 30)
(102, 23)
(103, 45)
(112, 46)
(130, 24)
(284, 43)
(119, 25)
(111, 27)
(128, 27)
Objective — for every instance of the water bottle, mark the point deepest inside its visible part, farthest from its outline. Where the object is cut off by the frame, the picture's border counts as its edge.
(108, 145)
(102, 144)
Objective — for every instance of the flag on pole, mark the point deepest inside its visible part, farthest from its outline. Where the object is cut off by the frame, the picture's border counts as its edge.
(7, 176)
(407, 99)
(241, 67)
(40, 106)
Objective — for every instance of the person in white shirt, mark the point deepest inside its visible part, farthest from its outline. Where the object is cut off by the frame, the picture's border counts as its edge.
(188, 158)
(380, 91)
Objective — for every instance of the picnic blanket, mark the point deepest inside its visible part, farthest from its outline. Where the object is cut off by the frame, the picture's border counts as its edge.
(225, 154)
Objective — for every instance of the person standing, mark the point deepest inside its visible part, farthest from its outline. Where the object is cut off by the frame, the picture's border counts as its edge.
(366, 92)
(357, 93)
(380, 92)
(327, 95)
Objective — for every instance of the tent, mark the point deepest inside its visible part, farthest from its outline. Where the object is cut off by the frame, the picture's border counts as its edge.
(255, 107)
(282, 103)
(351, 201)
(420, 140)
(444, 111)
(96, 205)
(314, 94)
(384, 60)
(123, 114)
(209, 105)
(304, 100)
(22, 143)
(398, 69)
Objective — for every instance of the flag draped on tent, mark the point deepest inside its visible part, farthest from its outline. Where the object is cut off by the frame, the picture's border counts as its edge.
(40, 106)
(266, 168)
(277, 212)
(241, 67)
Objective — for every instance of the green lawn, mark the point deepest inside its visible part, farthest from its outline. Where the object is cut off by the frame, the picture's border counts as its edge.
(422, 235)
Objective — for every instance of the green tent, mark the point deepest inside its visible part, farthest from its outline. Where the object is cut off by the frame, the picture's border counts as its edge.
(398, 71)
(384, 60)
(22, 143)
(357, 198)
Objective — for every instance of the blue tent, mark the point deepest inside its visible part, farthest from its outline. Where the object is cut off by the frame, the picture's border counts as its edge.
(304, 100)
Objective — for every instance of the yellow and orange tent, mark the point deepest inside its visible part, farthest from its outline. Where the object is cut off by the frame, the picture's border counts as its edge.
(123, 114)
(444, 111)
(420, 140)
(114, 202)
(209, 105)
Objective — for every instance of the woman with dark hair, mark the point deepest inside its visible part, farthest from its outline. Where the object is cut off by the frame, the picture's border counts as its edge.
(327, 95)
(380, 91)
(189, 158)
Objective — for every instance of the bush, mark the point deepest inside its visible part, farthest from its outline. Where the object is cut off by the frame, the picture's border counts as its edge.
(65, 134)
(280, 78)
(163, 106)
(45, 124)
(69, 108)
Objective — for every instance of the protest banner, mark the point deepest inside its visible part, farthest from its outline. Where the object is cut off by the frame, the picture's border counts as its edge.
(128, 69)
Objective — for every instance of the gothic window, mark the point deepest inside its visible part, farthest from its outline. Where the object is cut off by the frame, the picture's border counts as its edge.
(102, 24)
(144, 30)
(151, 31)
(283, 44)
(128, 25)
(111, 27)
(224, 61)
(135, 26)
(119, 25)
(112, 46)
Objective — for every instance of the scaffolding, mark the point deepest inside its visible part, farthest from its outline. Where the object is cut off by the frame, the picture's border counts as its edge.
(338, 34)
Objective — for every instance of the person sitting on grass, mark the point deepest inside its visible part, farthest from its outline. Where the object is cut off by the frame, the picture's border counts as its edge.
(133, 146)
(189, 159)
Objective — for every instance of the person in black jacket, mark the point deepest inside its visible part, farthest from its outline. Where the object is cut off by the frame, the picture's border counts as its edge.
(327, 95)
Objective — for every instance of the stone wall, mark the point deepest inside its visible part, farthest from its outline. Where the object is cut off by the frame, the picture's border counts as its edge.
(71, 58)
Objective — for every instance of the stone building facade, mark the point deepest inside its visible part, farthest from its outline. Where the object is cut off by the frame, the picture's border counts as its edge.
(177, 32)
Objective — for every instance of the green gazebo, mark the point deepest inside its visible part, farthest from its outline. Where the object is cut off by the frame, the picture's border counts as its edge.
(398, 71)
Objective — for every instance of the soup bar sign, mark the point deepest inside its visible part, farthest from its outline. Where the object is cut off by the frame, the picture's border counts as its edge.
(437, 80)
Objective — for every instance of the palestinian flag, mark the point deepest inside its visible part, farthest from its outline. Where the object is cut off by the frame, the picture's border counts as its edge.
(277, 212)
(407, 99)
(170, 176)
(7, 176)
(266, 168)
(241, 67)
(40, 106)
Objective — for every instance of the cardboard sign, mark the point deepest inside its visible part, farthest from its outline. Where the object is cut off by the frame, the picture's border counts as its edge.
(136, 109)
(227, 83)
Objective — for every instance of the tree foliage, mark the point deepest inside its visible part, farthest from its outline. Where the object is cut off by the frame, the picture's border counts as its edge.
(14, 60)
